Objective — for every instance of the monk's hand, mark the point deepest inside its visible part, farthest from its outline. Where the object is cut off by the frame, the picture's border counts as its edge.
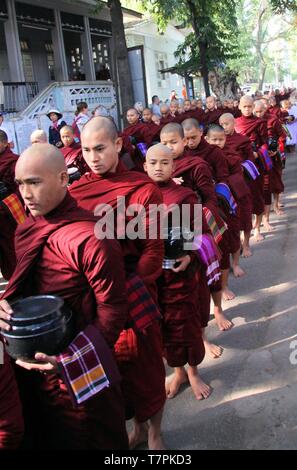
(46, 364)
(184, 263)
(256, 155)
(179, 180)
(5, 314)
(272, 154)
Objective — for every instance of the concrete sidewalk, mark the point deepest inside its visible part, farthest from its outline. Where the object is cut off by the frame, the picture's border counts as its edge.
(254, 399)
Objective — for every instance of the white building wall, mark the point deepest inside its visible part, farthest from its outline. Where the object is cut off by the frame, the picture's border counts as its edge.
(146, 34)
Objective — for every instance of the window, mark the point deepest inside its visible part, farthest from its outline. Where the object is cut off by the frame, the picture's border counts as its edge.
(161, 61)
(50, 60)
(27, 60)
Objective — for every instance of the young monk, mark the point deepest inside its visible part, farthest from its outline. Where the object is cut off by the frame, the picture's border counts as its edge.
(216, 135)
(240, 146)
(57, 241)
(147, 115)
(260, 112)
(8, 161)
(72, 150)
(213, 112)
(256, 130)
(172, 135)
(198, 146)
(182, 336)
(11, 417)
(144, 392)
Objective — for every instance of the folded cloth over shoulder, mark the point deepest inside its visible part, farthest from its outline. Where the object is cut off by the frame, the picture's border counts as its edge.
(250, 169)
(15, 208)
(224, 194)
(217, 228)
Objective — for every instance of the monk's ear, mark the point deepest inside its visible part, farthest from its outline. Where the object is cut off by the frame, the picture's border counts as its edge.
(119, 144)
(145, 167)
(64, 179)
(185, 141)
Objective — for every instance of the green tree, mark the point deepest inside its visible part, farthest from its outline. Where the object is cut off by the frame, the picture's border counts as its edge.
(213, 40)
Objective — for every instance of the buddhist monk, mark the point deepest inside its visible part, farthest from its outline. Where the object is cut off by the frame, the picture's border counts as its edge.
(144, 392)
(213, 112)
(8, 161)
(172, 135)
(239, 146)
(256, 130)
(11, 418)
(72, 150)
(260, 112)
(181, 329)
(58, 253)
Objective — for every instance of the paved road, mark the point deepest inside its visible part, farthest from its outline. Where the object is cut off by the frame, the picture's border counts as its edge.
(254, 399)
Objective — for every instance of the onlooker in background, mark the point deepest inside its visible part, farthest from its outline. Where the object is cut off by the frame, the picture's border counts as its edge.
(156, 105)
(173, 96)
(54, 130)
(81, 118)
(38, 137)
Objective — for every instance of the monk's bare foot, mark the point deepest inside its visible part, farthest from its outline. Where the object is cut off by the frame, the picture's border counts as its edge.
(227, 294)
(246, 252)
(238, 272)
(173, 386)
(138, 436)
(156, 443)
(223, 323)
(214, 350)
(201, 390)
(268, 227)
(279, 211)
(258, 236)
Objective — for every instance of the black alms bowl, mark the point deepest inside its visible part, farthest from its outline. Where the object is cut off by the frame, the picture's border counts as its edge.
(40, 323)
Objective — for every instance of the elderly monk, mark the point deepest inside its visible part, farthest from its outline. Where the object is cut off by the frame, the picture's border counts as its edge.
(58, 254)
(11, 418)
(256, 130)
(108, 180)
(181, 328)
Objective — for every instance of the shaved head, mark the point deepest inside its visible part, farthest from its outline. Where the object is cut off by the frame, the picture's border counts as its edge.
(42, 177)
(246, 105)
(246, 99)
(189, 124)
(227, 121)
(99, 123)
(172, 128)
(38, 136)
(259, 108)
(227, 116)
(159, 163)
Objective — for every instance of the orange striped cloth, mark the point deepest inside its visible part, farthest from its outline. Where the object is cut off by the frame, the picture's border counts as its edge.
(14, 205)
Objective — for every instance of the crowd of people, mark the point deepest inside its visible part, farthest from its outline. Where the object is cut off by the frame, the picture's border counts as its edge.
(145, 301)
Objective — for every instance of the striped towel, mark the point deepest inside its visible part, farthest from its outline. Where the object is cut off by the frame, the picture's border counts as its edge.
(14, 205)
(142, 309)
(250, 169)
(225, 195)
(83, 369)
(216, 230)
(207, 252)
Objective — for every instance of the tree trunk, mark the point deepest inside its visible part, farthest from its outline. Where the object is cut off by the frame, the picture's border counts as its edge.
(204, 67)
(121, 55)
(262, 76)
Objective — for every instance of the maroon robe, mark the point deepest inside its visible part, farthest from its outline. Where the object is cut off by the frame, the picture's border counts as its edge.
(276, 111)
(213, 117)
(7, 251)
(73, 157)
(276, 131)
(8, 161)
(256, 130)
(89, 275)
(178, 297)
(11, 418)
(215, 158)
(144, 393)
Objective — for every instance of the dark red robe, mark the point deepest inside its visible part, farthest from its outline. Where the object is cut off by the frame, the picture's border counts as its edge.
(256, 130)
(89, 275)
(213, 117)
(276, 131)
(73, 157)
(215, 158)
(11, 418)
(178, 297)
(144, 393)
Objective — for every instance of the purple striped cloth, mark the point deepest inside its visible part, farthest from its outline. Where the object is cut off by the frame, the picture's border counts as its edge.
(207, 252)
(250, 169)
(224, 193)
(142, 147)
(266, 157)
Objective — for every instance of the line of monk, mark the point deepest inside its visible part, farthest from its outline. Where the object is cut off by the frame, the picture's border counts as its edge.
(128, 293)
